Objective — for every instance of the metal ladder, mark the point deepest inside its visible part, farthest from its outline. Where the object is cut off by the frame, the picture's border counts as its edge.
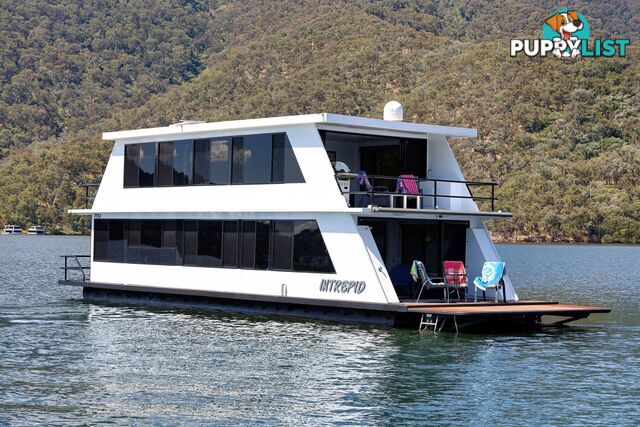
(429, 322)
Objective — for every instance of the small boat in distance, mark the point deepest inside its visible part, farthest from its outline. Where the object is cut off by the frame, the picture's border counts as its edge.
(12, 229)
(35, 229)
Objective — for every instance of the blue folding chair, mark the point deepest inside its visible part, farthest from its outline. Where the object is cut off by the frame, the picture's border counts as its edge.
(492, 274)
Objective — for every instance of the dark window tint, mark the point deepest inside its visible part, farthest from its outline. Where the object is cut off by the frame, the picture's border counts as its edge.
(248, 244)
(262, 244)
(415, 158)
(220, 161)
(277, 159)
(201, 163)
(100, 239)
(282, 245)
(210, 243)
(133, 238)
(257, 159)
(147, 164)
(165, 163)
(237, 171)
(454, 242)
(190, 242)
(309, 251)
(182, 153)
(131, 165)
(151, 234)
(292, 173)
(230, 244)
(115, 250)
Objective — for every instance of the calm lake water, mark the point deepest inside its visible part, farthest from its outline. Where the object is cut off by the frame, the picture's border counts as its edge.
(66, 361)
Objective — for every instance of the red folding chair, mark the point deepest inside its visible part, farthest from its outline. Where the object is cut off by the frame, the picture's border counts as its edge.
(455, 277)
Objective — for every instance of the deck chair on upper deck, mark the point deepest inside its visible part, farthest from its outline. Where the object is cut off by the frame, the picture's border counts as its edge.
(407, 186)
(492, 274)
(419, 274)
(455, 276)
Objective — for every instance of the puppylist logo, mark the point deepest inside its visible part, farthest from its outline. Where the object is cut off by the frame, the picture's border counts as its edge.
(566, 34)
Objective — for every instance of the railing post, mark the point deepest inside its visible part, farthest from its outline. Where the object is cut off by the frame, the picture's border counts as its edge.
(86, 200)
(435, 194)
(493, 188)
(373, 186)
(65, 268)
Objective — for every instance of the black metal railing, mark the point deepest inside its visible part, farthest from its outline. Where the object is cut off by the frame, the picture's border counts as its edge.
(380, 190)
(90, 190)
(75, 266)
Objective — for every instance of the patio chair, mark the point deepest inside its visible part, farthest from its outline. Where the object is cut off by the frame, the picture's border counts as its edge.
(492, 274)
(455, 276)
(407, 185)
(419, 274)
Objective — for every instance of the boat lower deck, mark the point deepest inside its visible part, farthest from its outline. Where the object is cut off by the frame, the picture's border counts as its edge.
(522, 315)
(525, 314)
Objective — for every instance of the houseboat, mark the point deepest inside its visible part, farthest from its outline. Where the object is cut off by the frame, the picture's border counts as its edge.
(35, 229)
(320, 215)
(12, 229)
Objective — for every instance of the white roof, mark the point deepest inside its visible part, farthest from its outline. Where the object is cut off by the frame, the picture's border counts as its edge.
(329, 119)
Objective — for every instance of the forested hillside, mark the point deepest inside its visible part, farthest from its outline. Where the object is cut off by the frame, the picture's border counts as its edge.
(562, 137)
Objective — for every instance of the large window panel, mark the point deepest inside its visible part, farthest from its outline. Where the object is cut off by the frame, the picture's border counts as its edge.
(230, 244)
(263, 231)
(100, 239)
(237, 171)
(182, 154)
(210, 243)
(282, 258)
(165, 163)
(190, 242)
(201, 161)
(220, 161)
(257, 159)
(248, 244)
(147, 164)
(309, 250)
(115, 250)
(131, 165)
(292, 172)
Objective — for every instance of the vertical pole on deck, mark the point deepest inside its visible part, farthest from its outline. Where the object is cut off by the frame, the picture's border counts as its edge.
(435, 194)
(493, 190)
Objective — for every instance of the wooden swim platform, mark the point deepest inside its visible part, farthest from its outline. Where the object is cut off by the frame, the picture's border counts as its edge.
(523, 314)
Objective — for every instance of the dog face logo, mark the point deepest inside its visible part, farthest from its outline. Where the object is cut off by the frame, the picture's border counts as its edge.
(567, 25)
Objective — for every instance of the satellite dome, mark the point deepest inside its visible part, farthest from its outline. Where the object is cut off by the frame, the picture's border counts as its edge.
(393, 111)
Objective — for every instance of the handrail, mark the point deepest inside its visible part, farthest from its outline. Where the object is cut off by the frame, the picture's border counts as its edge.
(372, 180)
(87, 198)
(81, 268)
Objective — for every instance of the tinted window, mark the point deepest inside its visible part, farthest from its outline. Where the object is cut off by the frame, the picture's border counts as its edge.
(309, 251)
(210, 243)
(190, 242)
(220, 161)
(201, 163)
(292, 173)
(277, 159)
(230, 244)
(257, 159)
(415, 158)
(248, 244)
(238, 161)
(182, 162)
(151, 234)
(115, 250)
(131, 165)
(165, 163)
(262, 244)
(100, 239)
(147, 164)
(282, 245)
